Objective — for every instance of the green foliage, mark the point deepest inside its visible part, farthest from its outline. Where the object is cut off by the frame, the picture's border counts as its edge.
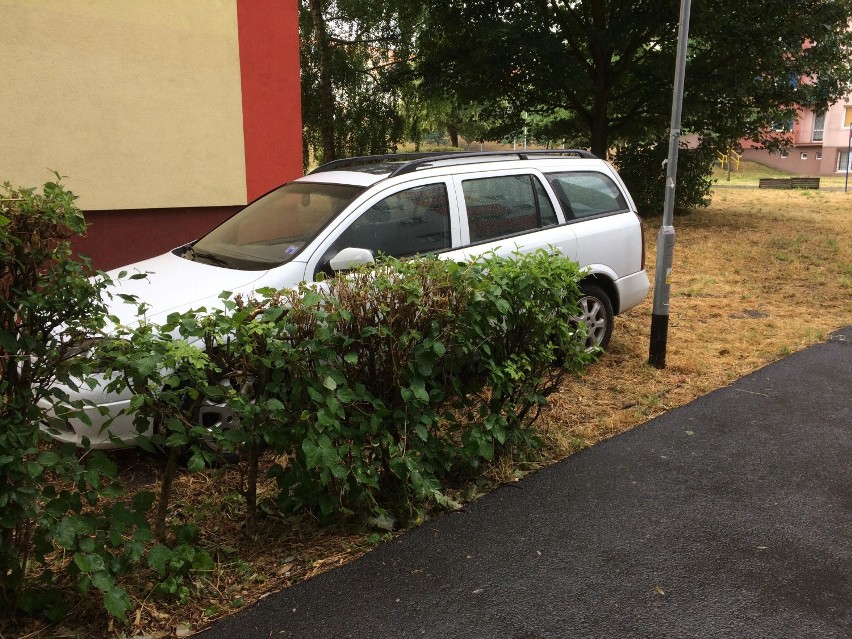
(379, 388)
(610, 63)
(521, 343)
(643, 169)
(50, 498)
(354, 58)
(170, 377)
(593, 73)
(175, 565)
(380, 349)
(420, 372)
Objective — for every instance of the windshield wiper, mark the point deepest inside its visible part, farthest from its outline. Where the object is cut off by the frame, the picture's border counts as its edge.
(213, 259)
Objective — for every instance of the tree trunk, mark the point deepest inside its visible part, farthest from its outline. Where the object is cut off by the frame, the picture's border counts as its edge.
(454, 136)
(599, 130)
(166, 481)
(251, 489)
(329, 151)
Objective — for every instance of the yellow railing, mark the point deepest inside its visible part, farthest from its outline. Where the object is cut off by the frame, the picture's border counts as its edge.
(735, 158)
(731, 158)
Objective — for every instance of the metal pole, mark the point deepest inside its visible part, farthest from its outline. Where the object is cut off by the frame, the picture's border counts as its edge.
(848, 158)
(666, 236)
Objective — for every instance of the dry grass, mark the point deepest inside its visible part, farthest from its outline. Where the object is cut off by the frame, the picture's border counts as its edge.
(757, 276)
(749, 174)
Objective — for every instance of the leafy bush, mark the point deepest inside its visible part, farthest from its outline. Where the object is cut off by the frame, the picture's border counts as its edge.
(521, 343)
(175, 565)
(377, 388)
(169, 379)
(49, 498)
(382, 353)
(643, 169)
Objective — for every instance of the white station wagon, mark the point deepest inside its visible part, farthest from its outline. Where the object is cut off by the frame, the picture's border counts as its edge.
(346, 212)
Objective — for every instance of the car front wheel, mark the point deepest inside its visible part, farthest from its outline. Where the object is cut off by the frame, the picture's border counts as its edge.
(596, 314)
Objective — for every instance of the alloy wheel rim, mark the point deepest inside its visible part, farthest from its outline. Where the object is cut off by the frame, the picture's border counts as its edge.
(593, 315)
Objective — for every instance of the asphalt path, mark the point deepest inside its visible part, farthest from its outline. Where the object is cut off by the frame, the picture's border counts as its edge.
(728, 517)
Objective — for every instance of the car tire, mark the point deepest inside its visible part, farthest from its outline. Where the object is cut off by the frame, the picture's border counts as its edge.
(596, 313)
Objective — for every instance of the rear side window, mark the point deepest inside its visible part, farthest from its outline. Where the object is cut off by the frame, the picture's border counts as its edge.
(586, 194)
(406, 223)
(505, 205)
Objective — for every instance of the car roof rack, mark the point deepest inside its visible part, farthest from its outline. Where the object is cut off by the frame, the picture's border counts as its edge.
(410, 162)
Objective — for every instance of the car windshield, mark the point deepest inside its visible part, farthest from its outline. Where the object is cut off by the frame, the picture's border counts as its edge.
(273, 229)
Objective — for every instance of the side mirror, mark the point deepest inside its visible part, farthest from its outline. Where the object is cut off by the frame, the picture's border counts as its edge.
(351, 257)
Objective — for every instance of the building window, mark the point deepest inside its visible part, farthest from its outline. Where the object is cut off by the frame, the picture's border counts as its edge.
(819, 127)
(783, 155)
(847, 117)
(843, 162)
(803, 156)
(783, 126)
(818, 155)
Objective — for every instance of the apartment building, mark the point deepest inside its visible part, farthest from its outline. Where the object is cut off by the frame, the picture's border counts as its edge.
(819, 143)
(165, 116)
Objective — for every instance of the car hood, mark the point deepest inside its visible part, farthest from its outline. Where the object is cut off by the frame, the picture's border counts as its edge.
(173, 284)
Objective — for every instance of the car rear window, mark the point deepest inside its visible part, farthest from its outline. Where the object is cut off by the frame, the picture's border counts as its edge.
(586, 194)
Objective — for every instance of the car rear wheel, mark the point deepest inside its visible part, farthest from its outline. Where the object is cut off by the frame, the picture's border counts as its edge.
(596, 315)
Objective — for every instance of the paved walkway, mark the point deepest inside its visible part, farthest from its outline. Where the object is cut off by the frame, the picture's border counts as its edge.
(729, 517)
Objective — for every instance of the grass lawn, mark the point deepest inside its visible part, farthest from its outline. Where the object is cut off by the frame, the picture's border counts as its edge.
(758, 275)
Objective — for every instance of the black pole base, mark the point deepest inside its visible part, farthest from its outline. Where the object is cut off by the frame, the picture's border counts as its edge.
(659, 337)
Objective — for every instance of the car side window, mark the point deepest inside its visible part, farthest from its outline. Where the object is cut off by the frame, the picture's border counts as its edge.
(586, 194)
(504, 205)
(406, 223)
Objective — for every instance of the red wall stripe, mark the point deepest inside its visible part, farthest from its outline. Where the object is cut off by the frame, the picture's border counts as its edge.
(116, 238)
(272, 113)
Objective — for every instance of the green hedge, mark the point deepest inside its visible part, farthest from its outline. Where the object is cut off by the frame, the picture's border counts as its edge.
(379, 388)
(51, 499)
(377, 391)
(642, 166)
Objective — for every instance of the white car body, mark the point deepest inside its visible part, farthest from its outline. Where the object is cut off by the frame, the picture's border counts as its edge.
(608, 244)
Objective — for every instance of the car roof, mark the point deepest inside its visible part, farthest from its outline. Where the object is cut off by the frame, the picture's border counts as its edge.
(368, 170)
(353, 178)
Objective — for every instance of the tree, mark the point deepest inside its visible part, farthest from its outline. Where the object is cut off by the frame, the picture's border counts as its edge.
(354, 59)
(611, 62)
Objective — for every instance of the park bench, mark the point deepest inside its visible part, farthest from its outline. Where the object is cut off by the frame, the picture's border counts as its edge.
(804, 183)
(789, 183)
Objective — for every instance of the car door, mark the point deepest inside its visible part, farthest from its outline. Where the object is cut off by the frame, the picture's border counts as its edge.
(417, 217)
(508, 211)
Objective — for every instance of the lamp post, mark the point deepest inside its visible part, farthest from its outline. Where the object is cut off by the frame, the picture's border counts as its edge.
(666, 236)
(848, 144)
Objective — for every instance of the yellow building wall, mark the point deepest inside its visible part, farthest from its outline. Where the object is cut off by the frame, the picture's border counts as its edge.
(138, 102)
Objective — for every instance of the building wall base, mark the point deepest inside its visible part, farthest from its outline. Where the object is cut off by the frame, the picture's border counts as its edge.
(138, 234)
